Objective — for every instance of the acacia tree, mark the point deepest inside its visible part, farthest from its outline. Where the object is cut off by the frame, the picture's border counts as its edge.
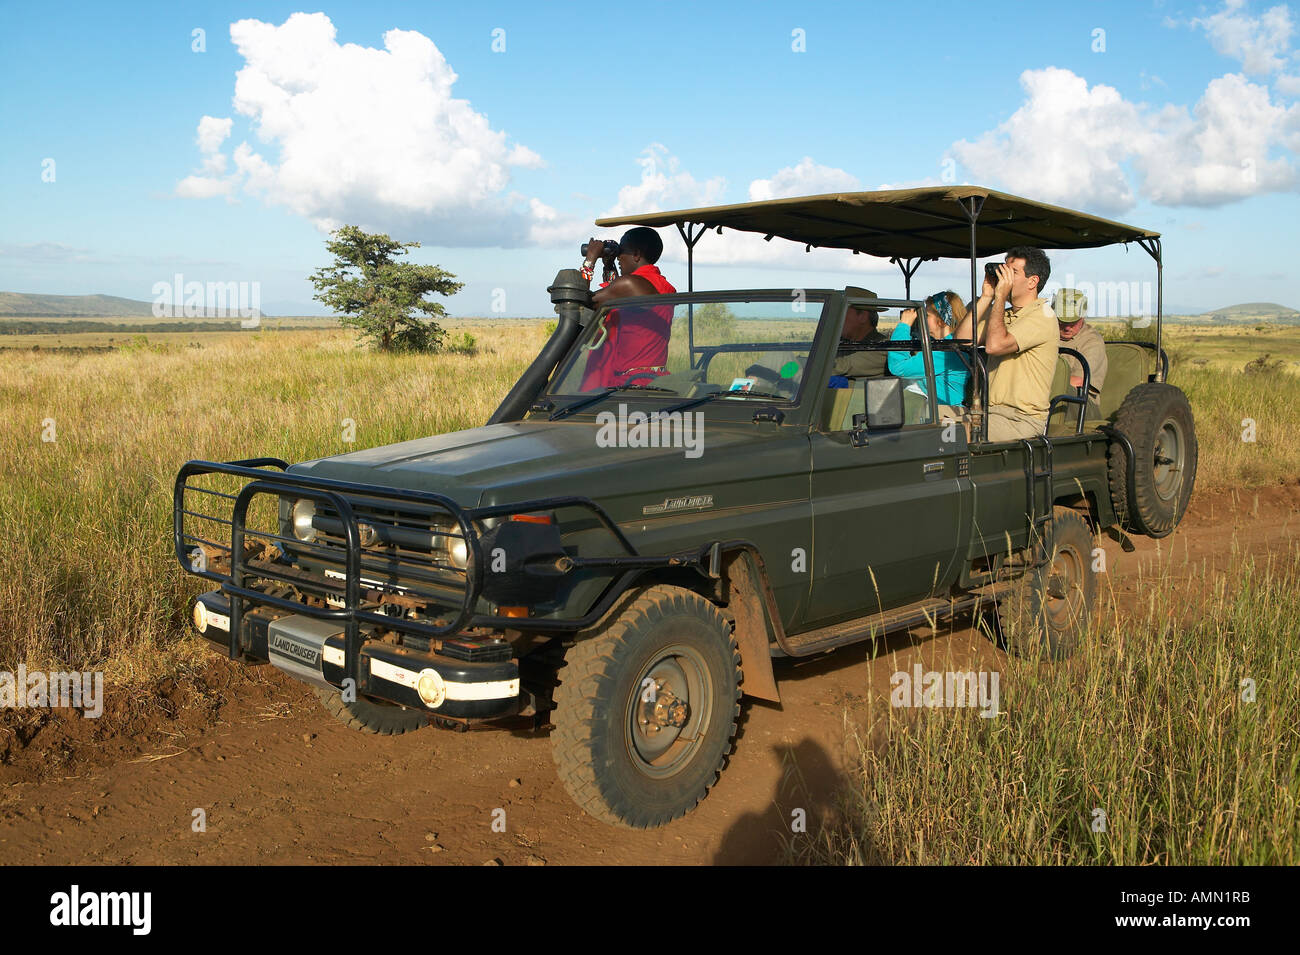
(380, 297)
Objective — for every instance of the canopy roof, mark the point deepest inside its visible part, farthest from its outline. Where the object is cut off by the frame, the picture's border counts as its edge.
(906, 223)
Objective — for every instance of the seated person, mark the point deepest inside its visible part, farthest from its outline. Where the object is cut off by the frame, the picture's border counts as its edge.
(1071, 308)
(860, 329)
(632, 347)
(947, 319)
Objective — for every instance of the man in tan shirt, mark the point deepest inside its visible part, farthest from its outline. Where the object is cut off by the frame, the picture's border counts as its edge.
(1071, 308)
(1021, 342)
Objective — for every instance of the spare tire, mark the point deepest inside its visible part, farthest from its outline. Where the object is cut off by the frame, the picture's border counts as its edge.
(1157, 420)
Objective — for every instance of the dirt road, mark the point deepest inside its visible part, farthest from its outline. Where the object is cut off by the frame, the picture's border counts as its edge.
(277, 781)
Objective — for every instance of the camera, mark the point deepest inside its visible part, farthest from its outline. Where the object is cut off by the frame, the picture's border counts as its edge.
(608, 248)
(991, 272)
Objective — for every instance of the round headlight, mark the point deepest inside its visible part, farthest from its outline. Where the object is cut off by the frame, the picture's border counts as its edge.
(457, 552)
(200, 617)
(303, 511)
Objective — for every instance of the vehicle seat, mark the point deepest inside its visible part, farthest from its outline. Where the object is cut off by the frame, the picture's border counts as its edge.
(1128, 368)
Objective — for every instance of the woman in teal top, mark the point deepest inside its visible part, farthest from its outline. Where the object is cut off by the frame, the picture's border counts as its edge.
(947, 318)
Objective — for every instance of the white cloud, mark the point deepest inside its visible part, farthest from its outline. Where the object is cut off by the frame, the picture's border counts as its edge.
(204, 187)
(1220, 151)
(806, 178)
(1066, 143)
(1080, 146)
(367, 136)
(664, 186)
(1259, 43)
(212, 133)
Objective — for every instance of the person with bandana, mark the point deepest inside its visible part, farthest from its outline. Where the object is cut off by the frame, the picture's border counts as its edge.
(946, 318)
(1071, 308)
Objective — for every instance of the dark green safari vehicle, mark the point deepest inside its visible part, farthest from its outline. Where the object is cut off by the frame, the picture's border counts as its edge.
(626, 561)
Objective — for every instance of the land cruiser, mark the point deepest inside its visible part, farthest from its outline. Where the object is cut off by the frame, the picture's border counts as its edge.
(625, 562)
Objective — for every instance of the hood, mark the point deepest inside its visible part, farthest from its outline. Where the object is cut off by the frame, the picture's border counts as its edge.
(520, 460)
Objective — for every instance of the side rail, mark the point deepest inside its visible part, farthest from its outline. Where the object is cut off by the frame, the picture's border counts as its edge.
(408, 561)
(1080, 398)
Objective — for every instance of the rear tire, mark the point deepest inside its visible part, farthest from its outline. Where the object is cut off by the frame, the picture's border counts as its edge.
(637, 757)
(385, 719)
(1048, 609)
(1158, 421)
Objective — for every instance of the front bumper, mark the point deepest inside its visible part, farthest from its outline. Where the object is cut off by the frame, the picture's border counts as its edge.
(375, 568)
(312, 650)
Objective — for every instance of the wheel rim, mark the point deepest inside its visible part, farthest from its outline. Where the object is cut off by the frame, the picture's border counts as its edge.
(663, 732)
(1168, 459)
(1064, 601)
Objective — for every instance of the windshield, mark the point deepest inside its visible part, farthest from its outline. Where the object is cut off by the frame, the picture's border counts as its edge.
(736, 348)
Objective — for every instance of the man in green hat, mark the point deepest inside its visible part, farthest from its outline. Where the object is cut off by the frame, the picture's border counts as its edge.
(1071, 308)
(860, 329)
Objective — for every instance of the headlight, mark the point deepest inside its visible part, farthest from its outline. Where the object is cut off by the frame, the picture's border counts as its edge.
(303, 512)
(452, 547)
(458, 552)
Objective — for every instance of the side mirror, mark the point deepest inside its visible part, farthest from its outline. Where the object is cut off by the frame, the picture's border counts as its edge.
(883, 398)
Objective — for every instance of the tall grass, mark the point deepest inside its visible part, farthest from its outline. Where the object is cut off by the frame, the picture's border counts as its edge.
(1151, 730)
(87, 578)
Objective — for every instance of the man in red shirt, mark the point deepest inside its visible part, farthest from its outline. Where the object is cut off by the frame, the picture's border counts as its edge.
(632, 347)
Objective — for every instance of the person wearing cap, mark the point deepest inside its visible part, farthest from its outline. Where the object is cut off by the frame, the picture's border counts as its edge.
(860, 329)
(1071, 308)
(632, 345)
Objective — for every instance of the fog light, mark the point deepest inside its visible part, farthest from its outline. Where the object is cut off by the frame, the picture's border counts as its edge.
(432, 688)
(303, 512)
(200, 617)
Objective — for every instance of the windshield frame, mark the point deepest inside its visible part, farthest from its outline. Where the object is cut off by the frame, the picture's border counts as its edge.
(811, 298)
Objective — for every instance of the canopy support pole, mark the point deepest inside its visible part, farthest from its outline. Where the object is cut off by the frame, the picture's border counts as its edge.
(691, 236)
(979, 419)
(909, 267)
(1152, 248)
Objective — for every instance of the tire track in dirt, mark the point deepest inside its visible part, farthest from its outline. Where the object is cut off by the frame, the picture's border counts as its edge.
(281, 782)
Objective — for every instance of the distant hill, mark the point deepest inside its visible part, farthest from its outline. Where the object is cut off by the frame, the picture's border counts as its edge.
(1252, 312)
(88, 306)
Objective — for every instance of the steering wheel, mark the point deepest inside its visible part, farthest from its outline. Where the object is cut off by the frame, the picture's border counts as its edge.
(782, 385)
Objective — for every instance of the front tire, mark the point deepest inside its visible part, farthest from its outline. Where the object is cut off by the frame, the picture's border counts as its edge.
(366, 716)
(647, 709)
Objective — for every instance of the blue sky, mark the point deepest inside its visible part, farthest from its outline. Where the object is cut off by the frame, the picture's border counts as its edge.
(1179, 118)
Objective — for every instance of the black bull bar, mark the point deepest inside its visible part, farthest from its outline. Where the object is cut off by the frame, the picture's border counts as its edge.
(269, 476)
